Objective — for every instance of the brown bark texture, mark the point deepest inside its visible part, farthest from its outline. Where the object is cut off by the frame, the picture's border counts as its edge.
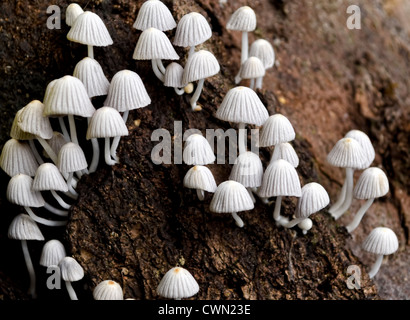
(135, 220)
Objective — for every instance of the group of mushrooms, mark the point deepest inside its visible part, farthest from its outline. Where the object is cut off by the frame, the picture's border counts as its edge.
(56, 169)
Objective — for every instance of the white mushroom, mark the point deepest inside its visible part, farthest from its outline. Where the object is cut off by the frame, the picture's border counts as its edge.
(264, 51)
(201, 179)
(53, 252)
(108, 290)
(252, 69)
(286, 152)
(91, 74)
(16, 157)
(177, 283)
(198, 151)
(173, 77)
(71, 13)
(71, 271)
(154, 14)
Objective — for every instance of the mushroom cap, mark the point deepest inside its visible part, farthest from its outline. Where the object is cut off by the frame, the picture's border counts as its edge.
(381, 241)
(200, 177)
(20, 192)
(192, 29)
(372, 183)
(247, 170)
(108, 290)
(127, 92)
(277, 129)
(280, 179)
(177, 283)
(264, 51)
(155, 14)
(347, 153)
(53, 252)
(200, 65)
(231, 196)
(70, 269)
(16, 132)
(89, 71)
(242, 105)
(198, 151)
(16, 157)
(71, 158)
(23, 227)
(65, 96)
(252, 68)
(154, 44)
(173, 75)
(89, 29)
(365, 143)
(31, 120)
(48, 177)
(243, 19)
(72, 12)
(57, 141)
(313, 199)
(286, 152)
(106, 122)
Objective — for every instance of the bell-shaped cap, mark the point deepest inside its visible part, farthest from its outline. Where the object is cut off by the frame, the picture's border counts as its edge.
(252, 68)
(372, 183)
(31, 120)
(192, 29)
(365, 143)
(242, 105)
(70, 269)
(177, 283)
(127, 92)
(247, 170)
(381, 241)
(173, 75)
(23, 227)
(243, 19)
(286, 152)
(67, 96)
(198, 151)
(71, 158)
(314, 198)
(20, 192)
(16, 157)
(106, 122)
(277, 129)
(108, 290)
(280, 179)
(89, 29)
(200, 65)
(89, 71)
(154, 14)
(264, 51)
(71, 13)
(200, 177)
(53, 252)
(48, 177)
(16, 132)
(154, 44)
(57, 141)
(231, 196)
(347, 153)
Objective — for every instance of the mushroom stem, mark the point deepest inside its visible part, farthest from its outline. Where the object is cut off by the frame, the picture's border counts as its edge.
(349, 195)
(238, 220)
(49, 207)
(292, 223)
(191, 51)
(96, 153)
(60, 200)
(48, 149)
(179, 91)
(245, 50)
(46, 222)
(275, 154)
(161, 66)
(359, 215)
(157, 72)
(64, 129)
(276, 211)
(73, 131)
(197, 93)
(340, 200)
(30, 269)
(251, 194)
(252, 84)
(201, 194)
(70, 186)
(35, 152)
(241, 138)
(107, 154)
(70, 290)
(376, 266)
(125, 116)
(90, 50)
(259, 83)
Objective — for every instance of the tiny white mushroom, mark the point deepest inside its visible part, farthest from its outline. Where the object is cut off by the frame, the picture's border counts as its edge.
(91, 74)
(231, 197)
(71, 271)
(264, 51)
(173, 77)
(286, 152)
(381, 241)
(53, 252)
(252, 69)
(198, 151)
(154, 14)
(177, 283)
(16, 157)
(108, 290)
(201, 179)
(72, 12)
